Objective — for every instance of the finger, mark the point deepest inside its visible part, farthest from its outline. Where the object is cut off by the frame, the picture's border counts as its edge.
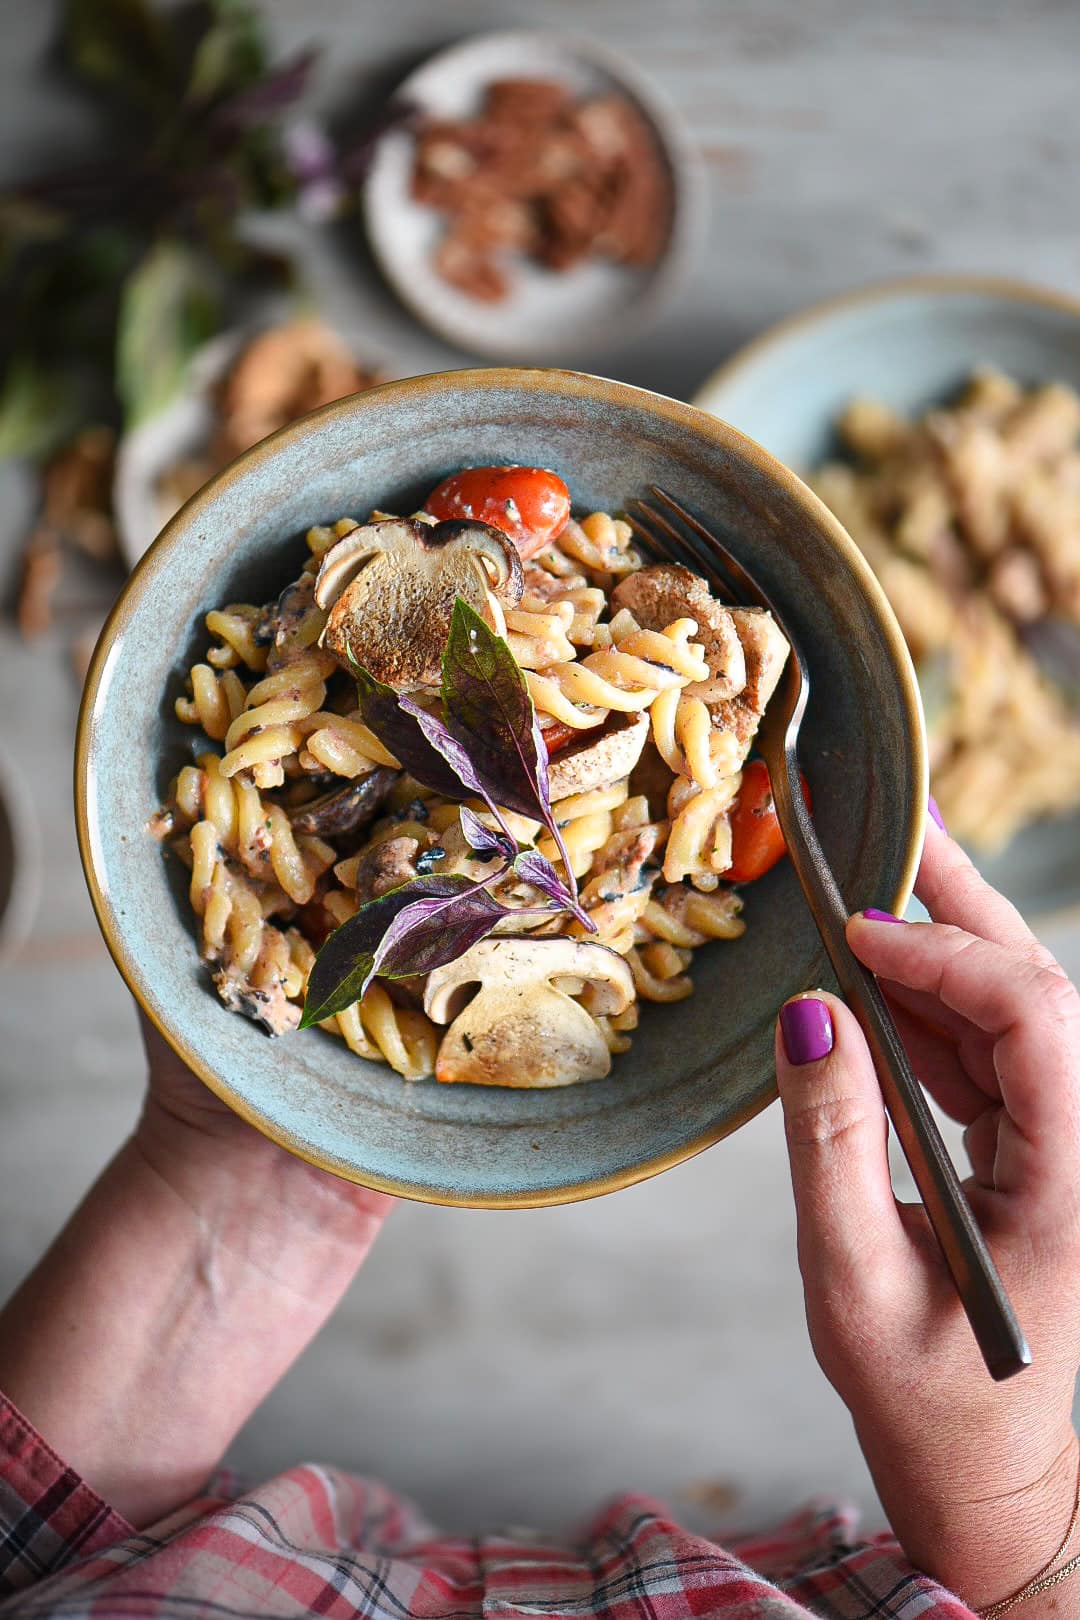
(936, 1060)
(1032, 1013)
(953, 891)
(837, 1137)
(981, 1143)
(972, 1051)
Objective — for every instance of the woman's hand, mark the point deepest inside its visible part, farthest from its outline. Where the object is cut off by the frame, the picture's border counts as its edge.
(978, 1479)
(196, 1270)
(255, 1193)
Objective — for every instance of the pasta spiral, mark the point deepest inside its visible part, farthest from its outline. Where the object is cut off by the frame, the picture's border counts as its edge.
(281, 720)
(626, 677)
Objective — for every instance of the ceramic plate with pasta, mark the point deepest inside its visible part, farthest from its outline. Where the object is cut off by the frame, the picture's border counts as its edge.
(476, 785)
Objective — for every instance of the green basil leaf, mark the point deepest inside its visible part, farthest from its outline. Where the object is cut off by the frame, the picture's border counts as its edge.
(35, 408)
(230, 55)
(168, 309)
(123, 46)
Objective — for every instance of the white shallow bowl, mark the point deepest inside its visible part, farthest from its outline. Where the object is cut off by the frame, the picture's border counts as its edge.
(548, 316)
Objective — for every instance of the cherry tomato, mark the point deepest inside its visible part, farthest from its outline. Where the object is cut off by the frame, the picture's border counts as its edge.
(756, 840)
(558, 734)
(529, 504)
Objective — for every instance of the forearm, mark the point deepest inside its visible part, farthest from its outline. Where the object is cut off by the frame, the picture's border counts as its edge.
(178, 1294)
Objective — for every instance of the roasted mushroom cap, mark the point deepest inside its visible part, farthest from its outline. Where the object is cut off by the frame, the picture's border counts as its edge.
(521, 1028)
(390, 588)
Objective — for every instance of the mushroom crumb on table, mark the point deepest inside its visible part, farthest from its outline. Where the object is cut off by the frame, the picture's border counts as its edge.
(468, 758)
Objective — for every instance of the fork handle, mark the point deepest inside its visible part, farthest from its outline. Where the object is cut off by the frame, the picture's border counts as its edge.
(982, 1293)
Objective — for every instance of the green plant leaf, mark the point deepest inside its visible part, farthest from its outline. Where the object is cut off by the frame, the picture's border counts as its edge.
(230, 56)
(122, 46)
(169, 307)
(36, 408)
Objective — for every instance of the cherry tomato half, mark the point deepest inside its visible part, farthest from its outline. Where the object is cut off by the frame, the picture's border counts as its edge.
(756, 840)
(529, 504)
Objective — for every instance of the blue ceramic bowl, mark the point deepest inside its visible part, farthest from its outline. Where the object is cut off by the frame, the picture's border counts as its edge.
(911, 343)
(696, 1070)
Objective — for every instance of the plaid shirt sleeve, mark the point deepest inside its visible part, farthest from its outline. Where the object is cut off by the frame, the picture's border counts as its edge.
(318, 1541)
(48, 1515)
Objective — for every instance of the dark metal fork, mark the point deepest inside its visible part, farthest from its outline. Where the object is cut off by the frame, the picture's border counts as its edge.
(978, 1284)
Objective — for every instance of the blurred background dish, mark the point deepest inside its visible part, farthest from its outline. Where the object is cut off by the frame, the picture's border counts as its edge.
(542, 201)
(241, 386)
(965, 496)
(20, 861)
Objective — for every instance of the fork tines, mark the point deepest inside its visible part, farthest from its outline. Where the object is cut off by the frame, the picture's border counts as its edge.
(698, 550)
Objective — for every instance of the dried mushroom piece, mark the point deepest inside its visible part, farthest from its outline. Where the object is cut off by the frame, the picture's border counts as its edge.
(596, 760)
(522, 1028)
(390, 588)
(348, 808)
(765, 649)
(664, 592)
(268, 1006)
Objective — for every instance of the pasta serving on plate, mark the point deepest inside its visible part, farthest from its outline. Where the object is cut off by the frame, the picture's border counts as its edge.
(297, 817)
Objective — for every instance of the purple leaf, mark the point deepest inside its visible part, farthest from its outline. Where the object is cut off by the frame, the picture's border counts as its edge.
(346, 961)
(538, 870)
(432, 932)
(452, 751)
(486, 842)
(259, 102)
(397, 728)
(490, 714)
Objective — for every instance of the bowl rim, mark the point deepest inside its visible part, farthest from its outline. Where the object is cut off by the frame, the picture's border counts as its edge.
(481, 379)
(680, 153)
(1010, 289)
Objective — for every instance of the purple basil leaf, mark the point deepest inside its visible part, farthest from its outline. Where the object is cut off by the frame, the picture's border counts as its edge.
(453, 752)
(490, 713)
(484, 841)
(347, 960)
(430, 933)
(538, 870)
(258, 103)
(398, 730)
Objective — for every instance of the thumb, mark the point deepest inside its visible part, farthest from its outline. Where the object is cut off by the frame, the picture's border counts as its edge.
(837, 1140)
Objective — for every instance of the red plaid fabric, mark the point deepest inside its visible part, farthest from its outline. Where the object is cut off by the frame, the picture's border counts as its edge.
(317, 1541)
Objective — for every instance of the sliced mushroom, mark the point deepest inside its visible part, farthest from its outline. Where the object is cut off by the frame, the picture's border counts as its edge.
(390, 588)
(664, 592)
(384, 866)
(347, 808)
(520, 1029)
(599, 758)
(766, 650)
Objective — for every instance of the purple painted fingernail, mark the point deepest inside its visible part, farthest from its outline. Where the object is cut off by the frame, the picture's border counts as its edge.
(807, 1029)
(872, 914)
(935, 813)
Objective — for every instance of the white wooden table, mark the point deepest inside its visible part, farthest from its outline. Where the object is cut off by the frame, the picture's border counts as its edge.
(517, 1367)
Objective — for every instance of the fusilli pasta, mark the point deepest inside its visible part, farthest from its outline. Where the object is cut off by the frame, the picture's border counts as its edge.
(268, 882)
